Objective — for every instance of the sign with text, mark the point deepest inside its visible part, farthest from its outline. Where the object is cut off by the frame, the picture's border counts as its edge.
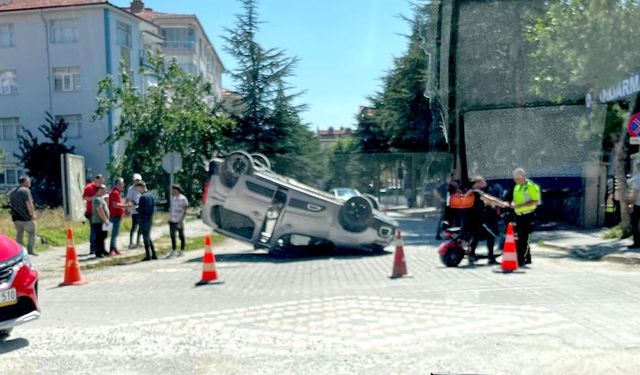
(634, 125)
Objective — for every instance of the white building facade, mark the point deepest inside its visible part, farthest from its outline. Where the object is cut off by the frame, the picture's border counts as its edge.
(52, 56)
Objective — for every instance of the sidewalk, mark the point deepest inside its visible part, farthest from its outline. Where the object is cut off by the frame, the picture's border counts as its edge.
(589, 245)
(51, 261)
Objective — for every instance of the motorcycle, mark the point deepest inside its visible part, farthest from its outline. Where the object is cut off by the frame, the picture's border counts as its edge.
(458, 242)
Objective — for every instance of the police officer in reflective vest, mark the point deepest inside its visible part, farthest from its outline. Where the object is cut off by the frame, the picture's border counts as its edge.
(526, 198)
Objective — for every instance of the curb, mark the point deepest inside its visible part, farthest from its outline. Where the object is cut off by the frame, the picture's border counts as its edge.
(621, 259)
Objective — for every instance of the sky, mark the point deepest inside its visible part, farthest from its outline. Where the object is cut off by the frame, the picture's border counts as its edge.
(344, 46)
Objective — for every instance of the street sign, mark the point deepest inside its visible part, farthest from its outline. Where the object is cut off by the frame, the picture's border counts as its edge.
(172, 162)
(634, 140)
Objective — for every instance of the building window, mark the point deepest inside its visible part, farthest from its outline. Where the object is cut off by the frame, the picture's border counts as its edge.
(179, 38)
(74, 130)
(124, 35)
(9, 176)
(6, 35)
(64, 31)
(9, 128)
(66, 79)
(8, 82)
(125, 56)
(189, 68)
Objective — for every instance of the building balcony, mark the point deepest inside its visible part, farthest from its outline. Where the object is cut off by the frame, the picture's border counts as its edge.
(179, 45)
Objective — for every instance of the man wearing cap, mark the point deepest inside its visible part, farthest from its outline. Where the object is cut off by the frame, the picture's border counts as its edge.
(99, 220)
(178, 209)
(526, 198)
(23, 213)
(132, 201)
(89, 192)
(146, 207)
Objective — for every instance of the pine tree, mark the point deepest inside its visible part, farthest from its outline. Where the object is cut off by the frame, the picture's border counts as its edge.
(42, 159)
(258, 75)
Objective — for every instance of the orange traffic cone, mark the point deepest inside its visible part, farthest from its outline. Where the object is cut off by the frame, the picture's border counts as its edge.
(509, 257)
(399, 264)
(71, 268)
(209, 271)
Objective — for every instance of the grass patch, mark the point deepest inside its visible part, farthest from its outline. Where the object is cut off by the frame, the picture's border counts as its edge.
(163, 247)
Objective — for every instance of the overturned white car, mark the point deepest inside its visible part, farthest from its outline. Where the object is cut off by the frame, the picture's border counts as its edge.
(246, 200)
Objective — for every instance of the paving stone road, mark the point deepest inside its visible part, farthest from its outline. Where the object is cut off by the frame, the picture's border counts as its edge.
(336, 315)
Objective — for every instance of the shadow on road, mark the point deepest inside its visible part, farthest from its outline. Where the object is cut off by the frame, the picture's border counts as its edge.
(8, 346)
(262, 257)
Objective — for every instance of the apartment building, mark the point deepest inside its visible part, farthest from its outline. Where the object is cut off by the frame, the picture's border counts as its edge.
(54, 52)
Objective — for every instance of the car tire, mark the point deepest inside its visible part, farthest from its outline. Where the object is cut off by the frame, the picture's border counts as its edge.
(356, 214)
(4, 333)
(373, 201)
(452, 257)
(236, 164)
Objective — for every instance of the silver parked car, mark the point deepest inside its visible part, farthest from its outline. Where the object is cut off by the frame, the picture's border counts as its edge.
(246, 200)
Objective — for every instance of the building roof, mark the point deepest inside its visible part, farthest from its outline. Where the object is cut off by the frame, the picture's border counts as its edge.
(8, 5)
(151, 15)
(332, 131)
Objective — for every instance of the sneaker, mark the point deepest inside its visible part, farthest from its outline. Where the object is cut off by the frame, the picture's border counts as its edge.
(634, 246)
(181, 253)
(117, 252)
(171, 254)
(33, 254)
(131, 246)
(112, 253)
(145, 259)
(154, 257)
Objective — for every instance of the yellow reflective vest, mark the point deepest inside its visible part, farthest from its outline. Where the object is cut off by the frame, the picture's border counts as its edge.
(525, 193)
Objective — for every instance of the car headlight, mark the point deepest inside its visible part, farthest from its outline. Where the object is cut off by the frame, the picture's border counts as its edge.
(26, 259)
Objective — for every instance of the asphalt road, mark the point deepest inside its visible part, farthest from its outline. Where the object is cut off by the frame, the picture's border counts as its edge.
(336, 315)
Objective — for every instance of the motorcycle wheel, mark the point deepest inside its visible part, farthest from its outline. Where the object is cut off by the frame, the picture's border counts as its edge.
(453, 256)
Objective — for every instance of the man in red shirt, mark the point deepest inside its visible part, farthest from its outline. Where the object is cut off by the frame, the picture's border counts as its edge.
(116, 212)
(89, 192)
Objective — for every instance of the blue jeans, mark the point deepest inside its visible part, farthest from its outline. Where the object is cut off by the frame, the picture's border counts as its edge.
(114, 231)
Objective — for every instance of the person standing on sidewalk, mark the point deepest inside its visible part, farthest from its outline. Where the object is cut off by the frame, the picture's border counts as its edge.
(526, 198)
(23, 213)
(132, 202)
(146, 207)
(635, 210)
(88, 194)
(99, 220)
(116, 212)
(178, 209)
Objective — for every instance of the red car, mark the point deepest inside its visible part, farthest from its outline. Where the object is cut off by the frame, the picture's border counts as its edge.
(18, 286)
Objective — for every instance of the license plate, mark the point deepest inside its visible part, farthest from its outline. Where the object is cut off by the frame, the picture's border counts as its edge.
(8, 297)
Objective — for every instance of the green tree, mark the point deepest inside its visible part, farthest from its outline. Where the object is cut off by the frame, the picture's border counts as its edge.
(42, 160)
(268, 121)
(170, 116)
(587, 44)
(402, 110)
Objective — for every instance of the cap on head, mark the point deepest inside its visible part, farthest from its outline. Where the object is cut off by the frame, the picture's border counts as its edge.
(137, 177)
(177, 187)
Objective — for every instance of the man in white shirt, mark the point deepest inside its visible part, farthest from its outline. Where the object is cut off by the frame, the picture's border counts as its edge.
(178, 210)
(132, 198)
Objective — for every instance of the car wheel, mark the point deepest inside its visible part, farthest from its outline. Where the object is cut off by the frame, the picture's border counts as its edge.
(356, 214)
(4, 333)
(452, 257)
(260, 161)
(234, 166)
(373, 201)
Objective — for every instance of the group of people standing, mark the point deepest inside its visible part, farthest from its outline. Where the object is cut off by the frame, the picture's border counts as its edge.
(105, 213)
(481, 216)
